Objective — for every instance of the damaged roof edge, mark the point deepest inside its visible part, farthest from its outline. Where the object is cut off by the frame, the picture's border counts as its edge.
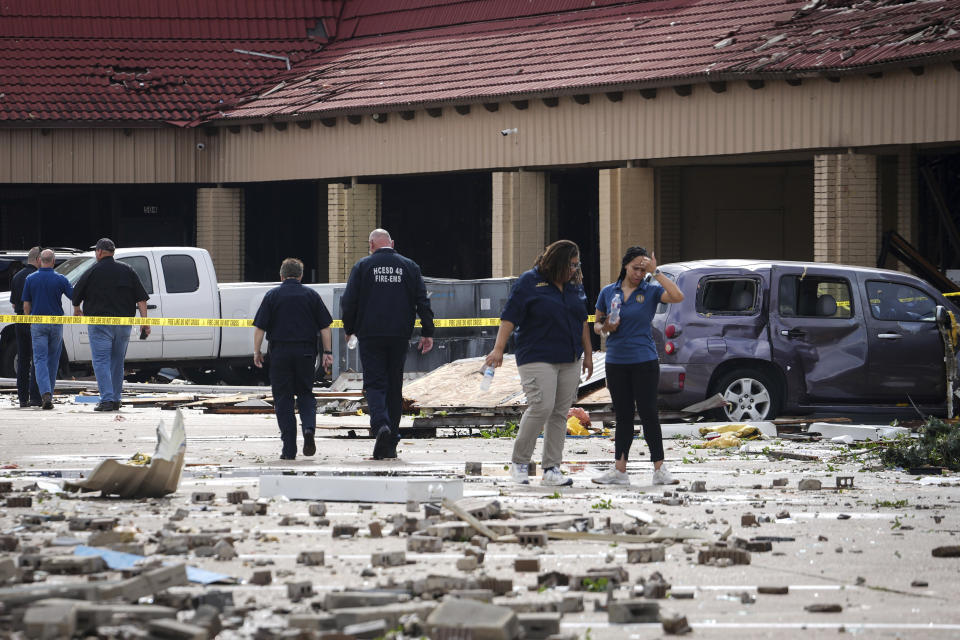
(952, 57)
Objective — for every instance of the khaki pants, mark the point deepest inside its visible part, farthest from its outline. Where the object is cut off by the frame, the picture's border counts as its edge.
(551, 389)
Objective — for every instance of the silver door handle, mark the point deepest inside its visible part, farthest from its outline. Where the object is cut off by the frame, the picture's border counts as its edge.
(889, 336)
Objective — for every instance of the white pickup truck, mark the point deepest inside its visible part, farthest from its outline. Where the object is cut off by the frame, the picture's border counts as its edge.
(182, 283)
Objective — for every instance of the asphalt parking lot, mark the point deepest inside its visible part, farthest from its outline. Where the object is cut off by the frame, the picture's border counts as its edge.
(867, 549)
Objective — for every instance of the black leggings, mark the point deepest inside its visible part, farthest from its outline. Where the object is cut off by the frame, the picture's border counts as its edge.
(635, 385)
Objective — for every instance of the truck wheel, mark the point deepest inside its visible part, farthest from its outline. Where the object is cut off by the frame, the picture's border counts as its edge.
(242, 375)
(750, 394)
(8, 360)
(201, 375)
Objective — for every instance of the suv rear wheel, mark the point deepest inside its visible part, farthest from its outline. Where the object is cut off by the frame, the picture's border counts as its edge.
(750, 394)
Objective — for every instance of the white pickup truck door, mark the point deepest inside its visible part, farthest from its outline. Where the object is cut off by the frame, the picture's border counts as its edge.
(152, 347)
(189, 291)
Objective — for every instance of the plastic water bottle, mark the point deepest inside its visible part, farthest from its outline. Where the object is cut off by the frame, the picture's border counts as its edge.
(614, 314)
(352, 342)
(487, 378)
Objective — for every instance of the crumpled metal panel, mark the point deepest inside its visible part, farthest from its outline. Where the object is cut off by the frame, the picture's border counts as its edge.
(159, 478)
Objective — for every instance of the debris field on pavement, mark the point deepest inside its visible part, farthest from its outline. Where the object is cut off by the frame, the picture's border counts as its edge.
(779, 535)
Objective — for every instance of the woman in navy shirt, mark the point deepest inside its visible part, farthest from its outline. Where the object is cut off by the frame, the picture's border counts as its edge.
(632, 367)
(546, 307)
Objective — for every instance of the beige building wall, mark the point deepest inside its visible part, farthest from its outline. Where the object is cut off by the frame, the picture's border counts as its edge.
(220, 224)
(627, 217)
(898, 108)
(519, 221)
(846, 209)
(353, 211)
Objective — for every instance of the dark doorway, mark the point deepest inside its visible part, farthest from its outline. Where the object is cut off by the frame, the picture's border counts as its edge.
(574, 197)
(76, 216)
(938, 199)
(285, 220)
(441, 222)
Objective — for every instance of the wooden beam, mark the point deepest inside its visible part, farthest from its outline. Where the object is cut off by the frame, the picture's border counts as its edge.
(582, 98)
(614, 96)
(492, 107)
(257, 127)
(551, 102)
(520, 105)
(833, 79)
(328, 122)
(435, 112)
(407, 115)
(462, 109)
(380, 117)
(304, 124)
(756, 83)
(648, 94)
(683, 90)
(234, 128)
(353, 119)
(876, 75)
(794, 82)
(718, 87)
(917, 71)
(280, 126)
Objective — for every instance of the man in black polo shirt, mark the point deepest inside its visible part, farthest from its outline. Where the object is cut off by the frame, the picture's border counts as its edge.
(109, 288)
(291, 316)
(27, 391)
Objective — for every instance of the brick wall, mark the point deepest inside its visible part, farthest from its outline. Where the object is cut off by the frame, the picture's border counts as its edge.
(220, 225)
(519, 221)
(352, 213)
(845, 209)
(627, 216)
(907, 198)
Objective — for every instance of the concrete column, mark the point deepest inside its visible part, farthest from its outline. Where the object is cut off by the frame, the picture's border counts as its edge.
(353, 211)
(845, 209)
(220, 224)
(626, 216)
(907, 185)
(519, 221)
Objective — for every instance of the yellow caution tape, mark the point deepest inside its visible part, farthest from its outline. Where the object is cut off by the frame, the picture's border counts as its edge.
(441, 323)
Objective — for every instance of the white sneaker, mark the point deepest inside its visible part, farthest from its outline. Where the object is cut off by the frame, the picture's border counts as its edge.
(662, 476)
(553, 478)
(613, 476)
(520, 473)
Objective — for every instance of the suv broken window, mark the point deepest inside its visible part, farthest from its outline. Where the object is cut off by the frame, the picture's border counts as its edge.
(728, 296)
(815, 297)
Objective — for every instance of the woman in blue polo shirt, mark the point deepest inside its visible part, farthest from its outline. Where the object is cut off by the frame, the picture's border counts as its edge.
(546, 307)
(632, 367)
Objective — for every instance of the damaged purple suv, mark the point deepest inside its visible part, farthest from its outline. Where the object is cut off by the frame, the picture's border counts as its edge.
(795, 337)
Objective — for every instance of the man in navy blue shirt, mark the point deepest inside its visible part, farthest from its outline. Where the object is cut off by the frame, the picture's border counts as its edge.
(291, 316)
(42, 296)
(27, 391)
(384, 294)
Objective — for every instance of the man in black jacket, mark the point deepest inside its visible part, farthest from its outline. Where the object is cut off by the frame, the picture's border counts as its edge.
(27, 391)
(384, 295)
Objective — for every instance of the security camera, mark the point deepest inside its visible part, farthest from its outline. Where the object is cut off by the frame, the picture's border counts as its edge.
(201, 146)
(506, 132)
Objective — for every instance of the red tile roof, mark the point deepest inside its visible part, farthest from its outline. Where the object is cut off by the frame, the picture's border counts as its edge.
(128, 61)
(149, 61)
(486, 56)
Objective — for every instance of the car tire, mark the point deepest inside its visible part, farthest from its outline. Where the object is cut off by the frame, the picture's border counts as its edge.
(752, 396)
